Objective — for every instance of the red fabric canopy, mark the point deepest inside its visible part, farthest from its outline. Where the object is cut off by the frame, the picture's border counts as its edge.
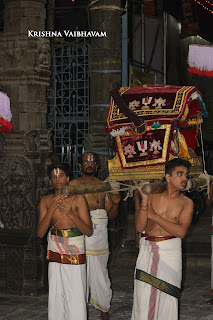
(162, 103)
(160, 107)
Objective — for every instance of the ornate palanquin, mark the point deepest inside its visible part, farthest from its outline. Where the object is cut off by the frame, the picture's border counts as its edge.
(171, 117)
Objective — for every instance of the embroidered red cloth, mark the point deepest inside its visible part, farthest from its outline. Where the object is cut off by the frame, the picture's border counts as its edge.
(162, 103)
(160, 106)
(151, 148)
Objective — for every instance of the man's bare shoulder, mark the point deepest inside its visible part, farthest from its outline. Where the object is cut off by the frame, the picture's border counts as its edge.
(78, 200)
(187, 200)
(75, 182)
(79, 197)
(183, 197)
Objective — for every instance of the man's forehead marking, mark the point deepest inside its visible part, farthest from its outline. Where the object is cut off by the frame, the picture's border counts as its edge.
(56, 171)
(89, 156)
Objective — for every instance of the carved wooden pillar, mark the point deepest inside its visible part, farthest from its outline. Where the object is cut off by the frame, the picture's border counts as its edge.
(24, 75)
(106, 55)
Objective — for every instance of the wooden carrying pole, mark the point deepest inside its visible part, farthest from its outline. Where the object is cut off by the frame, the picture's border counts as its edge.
(149, 188)
(158, 187)
(123, 107)
(85, 188)
(195, 183)
(153, 187)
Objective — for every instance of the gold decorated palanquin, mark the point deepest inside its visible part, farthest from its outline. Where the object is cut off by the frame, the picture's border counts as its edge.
(171, 117)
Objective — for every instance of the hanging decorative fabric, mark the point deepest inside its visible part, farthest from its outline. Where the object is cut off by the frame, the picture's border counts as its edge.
(200, 60)
(5, 126)
(5, 113)
(183, 148)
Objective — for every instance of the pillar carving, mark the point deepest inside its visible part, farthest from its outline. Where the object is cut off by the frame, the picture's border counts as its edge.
(23, 181)
(25, 154)
(105, 67)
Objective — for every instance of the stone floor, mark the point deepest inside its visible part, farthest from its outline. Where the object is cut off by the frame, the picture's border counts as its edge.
(196, 283)
(192, 303)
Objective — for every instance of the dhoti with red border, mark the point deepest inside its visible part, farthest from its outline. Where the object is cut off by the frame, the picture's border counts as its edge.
(66, 275)
(158, 277)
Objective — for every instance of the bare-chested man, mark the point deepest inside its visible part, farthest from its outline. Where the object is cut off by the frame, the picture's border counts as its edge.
(70, 220)
(164, 219)
(102, 207)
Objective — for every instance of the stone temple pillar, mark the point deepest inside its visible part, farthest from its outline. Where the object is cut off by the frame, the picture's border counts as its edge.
(24, 155)
(105, 16)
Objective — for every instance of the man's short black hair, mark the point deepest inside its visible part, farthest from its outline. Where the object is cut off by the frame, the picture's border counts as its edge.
(61, 166)
(176, 162)
(88, 152)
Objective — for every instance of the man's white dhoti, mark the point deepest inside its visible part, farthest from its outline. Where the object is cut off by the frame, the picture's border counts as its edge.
(157, 281)
(66, 275)
(67, 292)
(97, 253)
